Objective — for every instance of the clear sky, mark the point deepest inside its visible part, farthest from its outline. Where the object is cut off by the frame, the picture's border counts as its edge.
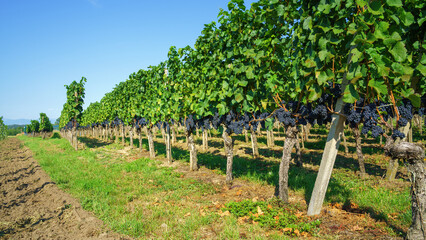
(47, 44)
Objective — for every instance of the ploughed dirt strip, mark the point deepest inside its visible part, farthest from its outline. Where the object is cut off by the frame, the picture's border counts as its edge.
(33, 207)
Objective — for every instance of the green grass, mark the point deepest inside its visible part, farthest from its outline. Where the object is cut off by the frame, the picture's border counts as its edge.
(137, 197)
(134, 198)
(374, 197)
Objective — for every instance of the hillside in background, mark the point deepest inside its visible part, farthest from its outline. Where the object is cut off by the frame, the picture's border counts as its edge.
(16, 121)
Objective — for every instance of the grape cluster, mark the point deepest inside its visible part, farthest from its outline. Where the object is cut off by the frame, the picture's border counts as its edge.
(402, 122)
(159, 124)
(205, 123)
(105, 123)
(166, 126)
(70, 125)
(216, 120)
(320, 115)
(369, 116)
(190, 124)
(397, 134)
(285, 117)
(376, 131)
(353, 116)
(116, 122)
(406, 109)
(336, 91)
(297, 113)
(233, 123)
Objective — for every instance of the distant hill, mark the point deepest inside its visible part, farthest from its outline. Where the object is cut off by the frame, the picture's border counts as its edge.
(16, 121)
(13, 126)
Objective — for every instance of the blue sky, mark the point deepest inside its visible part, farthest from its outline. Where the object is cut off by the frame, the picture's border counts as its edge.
(47, 44)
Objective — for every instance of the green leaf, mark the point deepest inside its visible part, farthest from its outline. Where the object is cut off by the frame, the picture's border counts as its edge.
(225, 85)
(381, 30)
(242, 83)
(221, 109)
(376, 8)
(322, 77)
(307, 23)
(280, 10)
(379, 86)
(416, 45)
(323, 54)
(407, 92)
(396, 36)
(249, 97)
(249, 73)
(314, 93)
(399, 52)
(398, 68)
(239, 97)
(356, 55)
(394, 3)
(350, 95)
(322, 43)
(269, 123)
(324, 8)
(406, 17)
(422, 69)
(310, 63)
(361, 3)
(415, 100)
(352, 28)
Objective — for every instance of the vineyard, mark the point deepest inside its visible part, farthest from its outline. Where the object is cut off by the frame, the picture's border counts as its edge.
(273, 95)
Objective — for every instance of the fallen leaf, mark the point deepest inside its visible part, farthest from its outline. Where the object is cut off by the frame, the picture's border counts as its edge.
(357, 228)
(269, 206)
(223, 214)
(187, 215)
(238, 193)
(259, 211)
(287, 229)
(255, 199)
(244, 219)
(243, 235)
(296, 232)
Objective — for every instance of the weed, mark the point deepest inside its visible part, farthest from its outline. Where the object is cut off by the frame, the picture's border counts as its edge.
(271, 214)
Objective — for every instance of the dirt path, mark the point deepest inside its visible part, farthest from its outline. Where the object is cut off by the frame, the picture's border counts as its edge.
(33, 207)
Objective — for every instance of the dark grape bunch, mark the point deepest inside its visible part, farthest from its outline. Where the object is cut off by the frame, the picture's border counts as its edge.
(368, 115)
(116, 122)
(397, 134)
(70, 125)
(190, 124)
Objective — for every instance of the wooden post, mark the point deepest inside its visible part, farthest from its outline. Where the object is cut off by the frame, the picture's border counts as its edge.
(330, 151)
(327, 161)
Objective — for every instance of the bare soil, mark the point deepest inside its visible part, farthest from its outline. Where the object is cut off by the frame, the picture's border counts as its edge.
(33, 207)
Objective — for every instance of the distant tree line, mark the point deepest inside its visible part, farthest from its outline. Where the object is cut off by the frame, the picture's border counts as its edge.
(41, 127)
